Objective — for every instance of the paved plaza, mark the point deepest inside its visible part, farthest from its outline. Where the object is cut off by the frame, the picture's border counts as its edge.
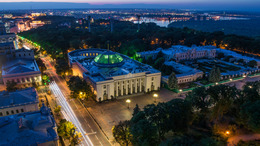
(109, 113)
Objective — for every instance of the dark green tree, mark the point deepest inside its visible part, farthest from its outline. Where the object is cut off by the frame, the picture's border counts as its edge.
(252, 63)
(80, 88)
(136, 110)
(173, 81)
(62, 67)
(180, 115)
(158, 115)
(121, 133)
(250, 114)
(68, 131)
(214, 75)
(223, 97)
(41, 65)
(143, 131)
(199, 99)
(158, 63)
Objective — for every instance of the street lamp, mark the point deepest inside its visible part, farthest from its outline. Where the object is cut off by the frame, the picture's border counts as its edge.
(180, 90)
(230, 79)
(217, 83)
(128, 101)
(81, 93)
(227, 132)
(155, 97)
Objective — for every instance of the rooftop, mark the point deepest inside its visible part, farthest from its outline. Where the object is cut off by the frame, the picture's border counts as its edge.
(109, 64)
(182, 69)
(108, 59)
(177, 49)
(17, 66)
(18, 98)
(30, 128)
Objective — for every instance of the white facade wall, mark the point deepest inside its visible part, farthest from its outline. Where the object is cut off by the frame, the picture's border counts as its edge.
(26, 79)
(127, 85)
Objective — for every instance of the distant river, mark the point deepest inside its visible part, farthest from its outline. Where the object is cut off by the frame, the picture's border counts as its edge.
(158, 22)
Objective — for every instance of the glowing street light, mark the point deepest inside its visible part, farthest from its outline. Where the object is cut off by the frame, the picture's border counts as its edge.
(230, 79)
(128, 101)
(217, 83)
(155, 97)
(250, 87)
(180, 90)
(81, 93)
(227, 132)
(244, 76)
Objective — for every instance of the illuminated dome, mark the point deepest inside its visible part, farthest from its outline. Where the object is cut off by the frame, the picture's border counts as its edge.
(108, 59)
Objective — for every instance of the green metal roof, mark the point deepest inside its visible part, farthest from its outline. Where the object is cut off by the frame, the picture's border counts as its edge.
(108, 58)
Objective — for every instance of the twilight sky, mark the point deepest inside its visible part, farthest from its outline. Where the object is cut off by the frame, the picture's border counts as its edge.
(240, 5)
(140, 1)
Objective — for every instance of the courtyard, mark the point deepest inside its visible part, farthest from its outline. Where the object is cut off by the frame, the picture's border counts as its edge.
(109, 113)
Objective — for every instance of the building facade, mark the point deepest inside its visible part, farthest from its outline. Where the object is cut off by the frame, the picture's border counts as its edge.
(20, 101)
(180, 52)
(113, 75)
(24, 72)
(185, 74)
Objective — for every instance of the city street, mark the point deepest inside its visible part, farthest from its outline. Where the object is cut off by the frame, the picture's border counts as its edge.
(74, 111)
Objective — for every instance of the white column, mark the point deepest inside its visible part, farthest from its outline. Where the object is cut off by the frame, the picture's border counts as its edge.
(140, 86)
(135, 85)
(121, 87)
(131, 86)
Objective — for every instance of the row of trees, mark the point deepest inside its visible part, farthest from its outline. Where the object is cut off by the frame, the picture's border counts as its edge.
(203, 118)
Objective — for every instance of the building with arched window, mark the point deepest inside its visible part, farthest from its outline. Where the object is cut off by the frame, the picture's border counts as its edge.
(113, 75)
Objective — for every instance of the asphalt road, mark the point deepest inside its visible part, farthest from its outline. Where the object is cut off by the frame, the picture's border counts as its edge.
(91, 129)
